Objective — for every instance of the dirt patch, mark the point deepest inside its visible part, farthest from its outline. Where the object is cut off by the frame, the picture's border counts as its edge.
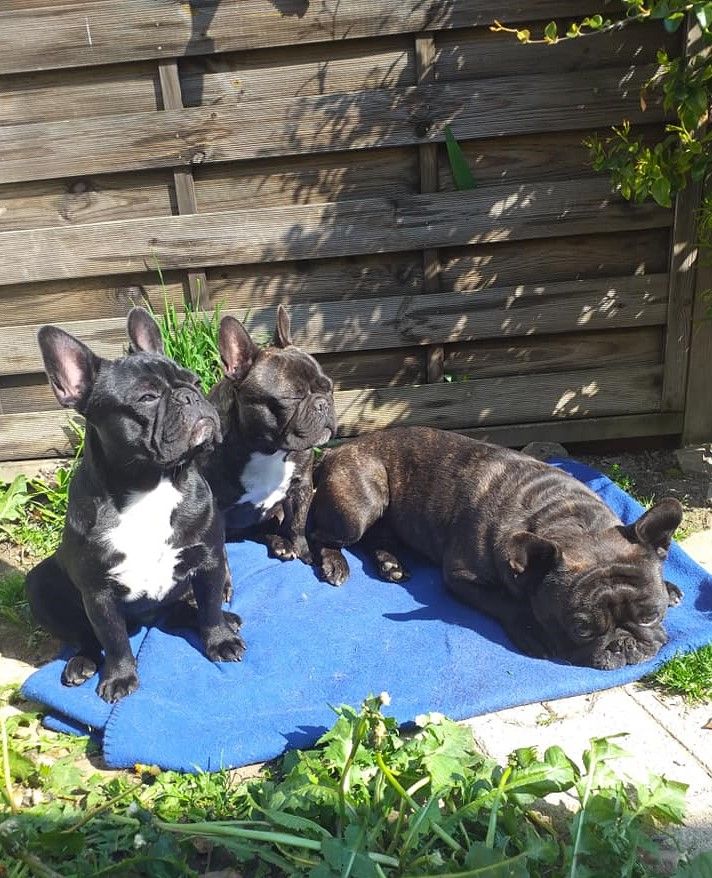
(654, 475)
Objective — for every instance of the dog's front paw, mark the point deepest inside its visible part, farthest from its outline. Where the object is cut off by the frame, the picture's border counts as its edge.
(390, 568)
(675, 595)
(78, 670)
(223, 643)
(287, 550)
(334, 568)
(118, 685)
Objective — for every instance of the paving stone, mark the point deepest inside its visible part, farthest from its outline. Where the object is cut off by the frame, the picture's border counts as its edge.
(699, 547)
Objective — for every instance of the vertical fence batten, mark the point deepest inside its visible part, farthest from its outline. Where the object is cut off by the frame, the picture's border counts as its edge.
(428, 162)
(182, 177)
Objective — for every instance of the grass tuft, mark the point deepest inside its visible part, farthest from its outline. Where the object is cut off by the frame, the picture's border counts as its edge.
(688, 675)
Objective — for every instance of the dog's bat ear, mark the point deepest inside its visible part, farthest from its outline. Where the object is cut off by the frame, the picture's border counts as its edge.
(70, 365)
(237, 350)
(656, 526)
(143, 332)
(282, 332)
(530, 554)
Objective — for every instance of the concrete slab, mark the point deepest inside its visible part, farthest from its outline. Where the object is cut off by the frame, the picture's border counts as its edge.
(699, 547)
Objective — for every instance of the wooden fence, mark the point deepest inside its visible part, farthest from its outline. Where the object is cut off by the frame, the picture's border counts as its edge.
(265, 151)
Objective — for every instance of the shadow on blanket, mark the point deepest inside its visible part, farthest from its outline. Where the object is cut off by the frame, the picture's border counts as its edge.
(310, 645)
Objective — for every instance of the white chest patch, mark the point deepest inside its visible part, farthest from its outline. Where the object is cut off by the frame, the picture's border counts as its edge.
(143, 535)
(266, 478)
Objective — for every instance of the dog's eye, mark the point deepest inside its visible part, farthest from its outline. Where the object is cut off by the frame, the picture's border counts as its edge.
(651, 617)
(148, 397)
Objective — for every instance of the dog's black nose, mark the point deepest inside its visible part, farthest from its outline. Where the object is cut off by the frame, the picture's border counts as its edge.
(322, 406)
(186, 396)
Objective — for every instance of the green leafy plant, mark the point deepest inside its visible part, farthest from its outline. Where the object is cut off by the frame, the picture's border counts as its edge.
(640, 170)
(369, 801)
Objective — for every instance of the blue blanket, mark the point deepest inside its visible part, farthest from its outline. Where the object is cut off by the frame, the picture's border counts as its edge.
(310, 645)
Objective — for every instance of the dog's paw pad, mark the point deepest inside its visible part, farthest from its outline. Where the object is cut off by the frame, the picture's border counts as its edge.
(113, 689)
(334, 568)
(226, 648)
(78, 670)
(390, 569)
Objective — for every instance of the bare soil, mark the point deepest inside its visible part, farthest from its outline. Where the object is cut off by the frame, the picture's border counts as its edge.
(656, 474)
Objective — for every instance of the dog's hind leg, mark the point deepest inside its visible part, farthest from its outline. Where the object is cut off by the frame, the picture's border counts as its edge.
(384, 548)
(57, 606)
(351, 496)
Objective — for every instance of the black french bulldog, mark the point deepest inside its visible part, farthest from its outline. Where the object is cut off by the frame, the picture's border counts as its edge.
(518, 539)
(275, 405)
(142, 527)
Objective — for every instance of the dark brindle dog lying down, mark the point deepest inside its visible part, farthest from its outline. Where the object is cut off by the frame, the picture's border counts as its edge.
(517, 539)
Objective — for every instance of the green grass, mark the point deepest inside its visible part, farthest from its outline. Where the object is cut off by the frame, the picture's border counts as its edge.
(191, 339)
(689, 675)
(368, 802)
(13, 603)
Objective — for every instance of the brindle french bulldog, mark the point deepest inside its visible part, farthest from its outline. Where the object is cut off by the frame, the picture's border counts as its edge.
(518, 539)
(275, 405)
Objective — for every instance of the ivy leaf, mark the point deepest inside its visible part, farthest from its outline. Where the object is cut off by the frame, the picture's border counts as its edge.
(551, 32)
(704, 16)
(660, 190)
(673, 23)
(461, 173)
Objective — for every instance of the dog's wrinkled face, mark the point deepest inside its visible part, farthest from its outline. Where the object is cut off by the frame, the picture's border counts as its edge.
(285, 400)
(144, 408)
(600, 599)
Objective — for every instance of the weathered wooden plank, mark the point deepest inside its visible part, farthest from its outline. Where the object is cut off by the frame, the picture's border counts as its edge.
(91, 199)
(465, 269)
(578, 430)
(513, 399)
(389, 368)
(477, 52)
(35, 434)
(425, 319)
(321, 280)
(336, 229)
(87, 298)
(546, 155)
(294, 71)
(307, 179)
(556, 259)
(78, 94)
(324, 123)
(554, 353)
(41, 435)
(42, 37)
